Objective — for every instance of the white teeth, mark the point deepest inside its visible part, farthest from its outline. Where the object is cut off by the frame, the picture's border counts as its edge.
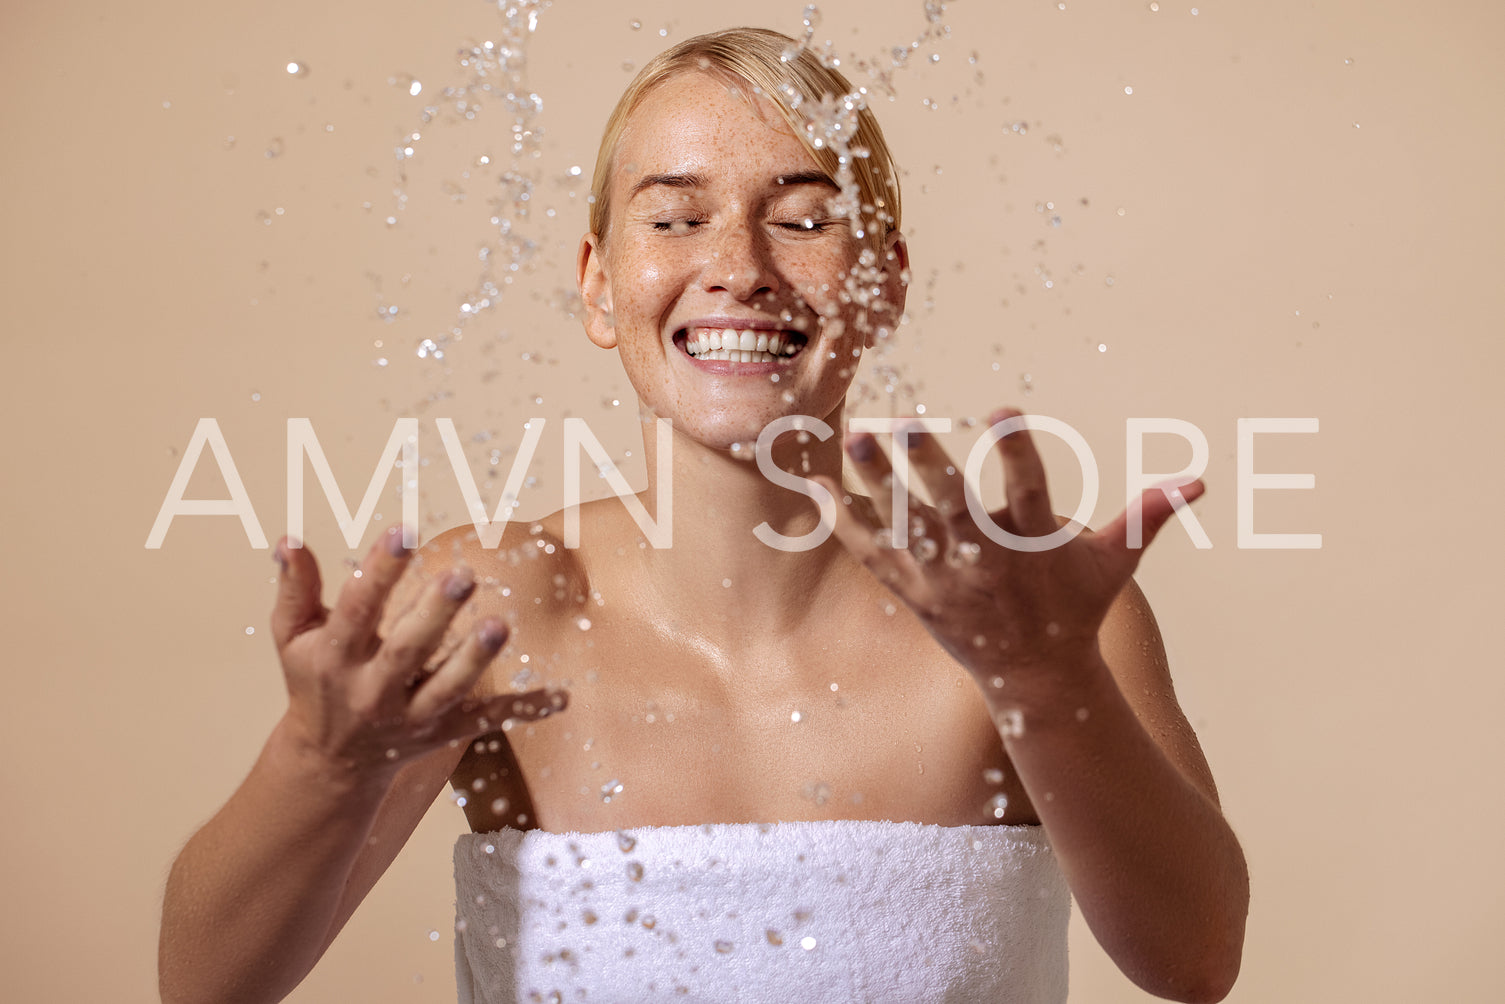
(745, 346)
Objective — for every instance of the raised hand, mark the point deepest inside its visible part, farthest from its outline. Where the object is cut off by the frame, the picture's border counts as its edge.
(370, 702)
(997, 608)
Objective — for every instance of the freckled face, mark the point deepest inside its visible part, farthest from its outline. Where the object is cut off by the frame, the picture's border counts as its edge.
(720, 228)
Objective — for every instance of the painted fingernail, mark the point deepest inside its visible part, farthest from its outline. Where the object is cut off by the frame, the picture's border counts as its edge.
(395, 546)
(459, 586)
(280, 556)
(861, 448)
(493, 637)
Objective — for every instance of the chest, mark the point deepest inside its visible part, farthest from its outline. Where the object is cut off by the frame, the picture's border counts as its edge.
(666, 729)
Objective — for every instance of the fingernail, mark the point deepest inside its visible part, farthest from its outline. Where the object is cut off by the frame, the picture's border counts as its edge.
(459, 586)
(493, 637)
(394, 542)
(861, 448)
(280, 556)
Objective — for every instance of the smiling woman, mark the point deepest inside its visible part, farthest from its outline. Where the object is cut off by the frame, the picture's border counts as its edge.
(858, 771)
(723, 231)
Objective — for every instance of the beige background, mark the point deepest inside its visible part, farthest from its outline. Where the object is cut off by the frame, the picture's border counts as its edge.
(1311, 226)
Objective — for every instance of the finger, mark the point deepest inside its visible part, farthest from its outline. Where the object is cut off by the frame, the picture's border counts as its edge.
(298, 607)
(469, 719)
(894, 567)
(940, 476)
(418, 633)
(873, 468)
(1024, 480)
(1154, 507)
(358, 609)
(452, 681)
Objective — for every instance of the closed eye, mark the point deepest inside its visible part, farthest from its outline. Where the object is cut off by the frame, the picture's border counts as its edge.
(676, 226)
(807, 225)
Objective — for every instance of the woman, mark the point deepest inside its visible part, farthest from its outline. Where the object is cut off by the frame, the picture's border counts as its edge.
(916, 728)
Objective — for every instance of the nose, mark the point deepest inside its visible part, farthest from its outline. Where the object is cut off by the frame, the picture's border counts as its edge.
(740, 264)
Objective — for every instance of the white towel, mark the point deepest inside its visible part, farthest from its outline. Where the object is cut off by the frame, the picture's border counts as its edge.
(790, 912)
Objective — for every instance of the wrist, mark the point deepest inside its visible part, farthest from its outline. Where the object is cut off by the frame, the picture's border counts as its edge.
(1062, 683)
(288, 750)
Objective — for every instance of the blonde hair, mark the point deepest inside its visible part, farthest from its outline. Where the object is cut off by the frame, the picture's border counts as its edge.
(787, 74)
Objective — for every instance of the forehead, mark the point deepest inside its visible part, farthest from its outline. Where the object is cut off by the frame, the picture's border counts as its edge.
(707, 124)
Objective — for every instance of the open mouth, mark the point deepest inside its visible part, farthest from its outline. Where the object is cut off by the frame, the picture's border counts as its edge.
(740, 345)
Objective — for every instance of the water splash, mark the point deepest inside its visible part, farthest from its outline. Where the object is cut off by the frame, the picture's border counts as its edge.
(497, 77)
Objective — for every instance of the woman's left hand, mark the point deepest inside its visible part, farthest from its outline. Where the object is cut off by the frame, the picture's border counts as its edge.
(999, 610)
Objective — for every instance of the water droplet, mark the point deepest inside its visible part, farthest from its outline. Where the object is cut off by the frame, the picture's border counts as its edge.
(626, 842)
(723, 947)
(998, 805)
(584, 623)
(726, 583)
(1010, 723)
(635, 24)
(498, 806)
(807, 943)
(274, 147)
(1082, 714)
(415, 88)
(965, 553)
(433, 935)
(796, 717)
(296, 69)
(992, 776)
(925, 548)
(1128, 90)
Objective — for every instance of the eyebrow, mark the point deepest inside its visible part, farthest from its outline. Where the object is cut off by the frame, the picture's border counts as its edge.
(808, 178)
(668, 181)
(692, 180)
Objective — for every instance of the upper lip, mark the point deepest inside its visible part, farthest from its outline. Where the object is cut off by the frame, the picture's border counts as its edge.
(739, 324)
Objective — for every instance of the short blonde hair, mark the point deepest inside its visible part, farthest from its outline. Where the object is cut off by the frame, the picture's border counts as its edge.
(776, 66)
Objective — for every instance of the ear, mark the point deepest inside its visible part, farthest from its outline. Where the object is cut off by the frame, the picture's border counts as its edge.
(594, 286)
(895, 283)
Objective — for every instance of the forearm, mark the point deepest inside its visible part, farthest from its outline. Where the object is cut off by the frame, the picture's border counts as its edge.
(251, 898)
(1155, 868)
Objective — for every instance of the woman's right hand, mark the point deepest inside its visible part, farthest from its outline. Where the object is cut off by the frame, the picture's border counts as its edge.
(364, 702)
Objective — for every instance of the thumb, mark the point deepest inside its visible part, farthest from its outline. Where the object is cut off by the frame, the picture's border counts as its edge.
(1152, 509)
(298, 606)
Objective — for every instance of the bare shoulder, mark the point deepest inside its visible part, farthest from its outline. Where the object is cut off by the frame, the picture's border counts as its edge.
(1132, 647)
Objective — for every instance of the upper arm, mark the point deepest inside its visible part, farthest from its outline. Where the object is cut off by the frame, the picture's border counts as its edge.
(1132, 648)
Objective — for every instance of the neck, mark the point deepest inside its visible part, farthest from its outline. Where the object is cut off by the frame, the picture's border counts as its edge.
(737, 585)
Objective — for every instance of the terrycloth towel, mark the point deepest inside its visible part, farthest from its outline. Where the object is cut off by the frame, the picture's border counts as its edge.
(826, 912)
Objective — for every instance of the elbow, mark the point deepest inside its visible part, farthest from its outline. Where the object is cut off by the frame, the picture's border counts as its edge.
(1205, 978)
(1211, 986)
